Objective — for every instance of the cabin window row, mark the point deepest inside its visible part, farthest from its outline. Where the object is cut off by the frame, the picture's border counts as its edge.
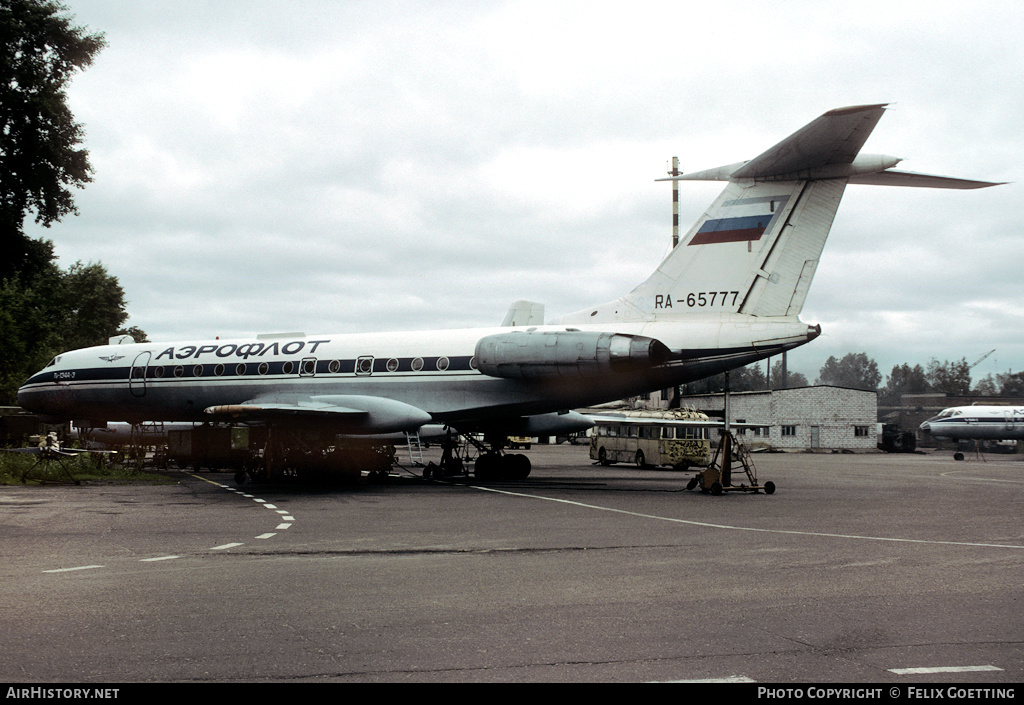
(366, 365)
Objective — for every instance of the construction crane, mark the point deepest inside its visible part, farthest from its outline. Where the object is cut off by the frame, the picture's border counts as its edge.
(980, 359)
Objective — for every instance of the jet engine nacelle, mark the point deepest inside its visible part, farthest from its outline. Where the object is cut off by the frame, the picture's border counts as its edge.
(566, 353)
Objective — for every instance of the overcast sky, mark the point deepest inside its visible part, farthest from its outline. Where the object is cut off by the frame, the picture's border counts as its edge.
(365, 165)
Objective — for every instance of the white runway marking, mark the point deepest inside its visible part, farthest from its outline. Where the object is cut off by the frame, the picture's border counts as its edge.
(158, 558)
(942, 669)
(747, 528)
(286, 517)
(68, 570)
(726, 679)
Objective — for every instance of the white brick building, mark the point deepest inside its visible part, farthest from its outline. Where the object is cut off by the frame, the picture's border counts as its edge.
(798, 419)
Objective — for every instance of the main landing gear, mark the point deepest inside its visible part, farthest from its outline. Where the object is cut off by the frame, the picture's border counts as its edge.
(491, 465)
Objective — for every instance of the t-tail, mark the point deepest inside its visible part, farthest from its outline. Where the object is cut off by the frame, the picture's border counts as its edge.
(756, 249)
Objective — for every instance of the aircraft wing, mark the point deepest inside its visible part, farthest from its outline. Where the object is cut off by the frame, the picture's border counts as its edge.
(352, 413)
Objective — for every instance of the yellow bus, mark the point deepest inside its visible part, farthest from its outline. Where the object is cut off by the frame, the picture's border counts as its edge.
(651, 438)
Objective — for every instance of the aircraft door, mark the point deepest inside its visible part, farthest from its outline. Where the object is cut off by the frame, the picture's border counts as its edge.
(137, 374)
(364, 365)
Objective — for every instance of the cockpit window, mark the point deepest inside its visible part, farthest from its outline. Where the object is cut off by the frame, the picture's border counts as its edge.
(52, 362)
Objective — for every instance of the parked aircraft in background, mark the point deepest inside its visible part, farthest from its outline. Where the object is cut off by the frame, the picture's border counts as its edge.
(117, 434)
(977, 423)
(728, 295)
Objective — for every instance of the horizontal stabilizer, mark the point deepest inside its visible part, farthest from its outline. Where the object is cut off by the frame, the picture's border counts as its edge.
(828, 148)
(910, 178)
(834, 138)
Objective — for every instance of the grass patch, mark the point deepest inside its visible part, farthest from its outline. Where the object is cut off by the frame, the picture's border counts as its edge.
(84, 467)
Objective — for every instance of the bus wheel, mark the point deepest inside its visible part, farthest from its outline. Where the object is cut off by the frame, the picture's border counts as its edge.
(640, 459)
(602, 457)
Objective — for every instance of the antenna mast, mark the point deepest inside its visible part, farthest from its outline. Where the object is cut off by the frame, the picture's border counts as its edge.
(675, 201)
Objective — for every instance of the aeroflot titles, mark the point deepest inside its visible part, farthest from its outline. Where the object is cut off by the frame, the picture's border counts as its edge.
(244, 351)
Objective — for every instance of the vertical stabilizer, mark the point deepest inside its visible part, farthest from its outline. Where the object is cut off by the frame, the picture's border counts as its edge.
(753, 251)
(756, 249)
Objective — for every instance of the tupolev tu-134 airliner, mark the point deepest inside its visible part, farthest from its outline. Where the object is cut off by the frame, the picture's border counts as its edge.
(728, 295)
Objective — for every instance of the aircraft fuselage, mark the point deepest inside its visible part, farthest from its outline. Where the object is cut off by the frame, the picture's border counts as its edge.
(435, 371)
(999, 423)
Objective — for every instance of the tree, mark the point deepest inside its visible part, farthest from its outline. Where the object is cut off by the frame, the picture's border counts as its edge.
(986, 387)
(54, 311)
(1011, 384)
(93, 305)
(903, 379)
(854, 370)
(950, 377)
(793, 379)
(41, 156)
(30, 324)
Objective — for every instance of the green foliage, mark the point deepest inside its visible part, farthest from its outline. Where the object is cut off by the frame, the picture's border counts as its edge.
(87, 467)
(793, 379)
(903, 379)
(52, 311)
(41, 156)
(854, 370)
(1011, 384)
(950, 377)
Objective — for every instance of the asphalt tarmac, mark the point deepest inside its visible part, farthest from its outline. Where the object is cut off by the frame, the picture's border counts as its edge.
(868, 568)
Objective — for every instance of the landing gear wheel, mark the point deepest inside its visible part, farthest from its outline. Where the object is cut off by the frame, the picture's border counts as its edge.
(692, 483)
(240, 477)
(958, 456)
(769, 487)
(716, 488)
(487, 467)
(517, 467)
